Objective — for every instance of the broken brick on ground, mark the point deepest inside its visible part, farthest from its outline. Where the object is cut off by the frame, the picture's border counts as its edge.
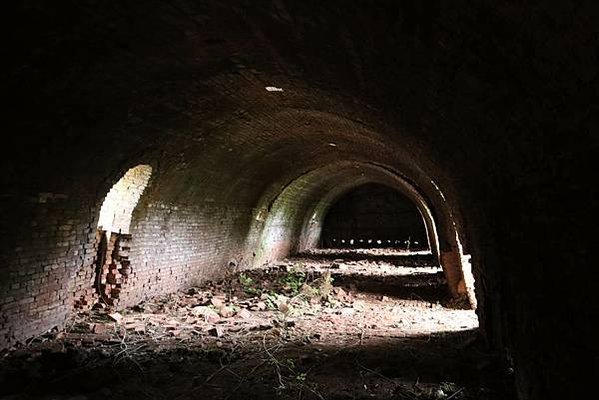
(293, 319)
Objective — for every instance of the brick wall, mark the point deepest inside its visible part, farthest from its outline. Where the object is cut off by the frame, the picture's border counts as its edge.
(279, 234)
(53, 268)
(85, 285)
(48, 252)
(174, 246)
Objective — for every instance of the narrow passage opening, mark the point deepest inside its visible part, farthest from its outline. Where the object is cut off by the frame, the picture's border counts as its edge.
(113, 268)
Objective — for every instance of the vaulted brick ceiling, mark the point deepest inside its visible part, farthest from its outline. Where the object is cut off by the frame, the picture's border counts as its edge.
(487, 109)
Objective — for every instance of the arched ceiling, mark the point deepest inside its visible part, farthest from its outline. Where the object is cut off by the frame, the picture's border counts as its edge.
(494, 102)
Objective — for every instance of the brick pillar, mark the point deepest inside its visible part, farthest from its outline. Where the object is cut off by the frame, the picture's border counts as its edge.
(451, 263)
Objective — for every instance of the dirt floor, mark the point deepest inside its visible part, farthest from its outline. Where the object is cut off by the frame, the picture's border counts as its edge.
(326, 325)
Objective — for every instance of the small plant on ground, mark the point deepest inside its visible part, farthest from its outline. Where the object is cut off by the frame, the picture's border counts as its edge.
(249, 285)
(271, 300)
(324, 286)
(293, 281)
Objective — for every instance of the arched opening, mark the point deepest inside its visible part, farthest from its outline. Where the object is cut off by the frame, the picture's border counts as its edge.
(113, 267)
(117, 208)
(294, 231)
(292, 221)
(374, 216)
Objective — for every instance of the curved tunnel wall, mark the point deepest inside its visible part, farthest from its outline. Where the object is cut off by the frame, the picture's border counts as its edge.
(293, 220)
(494, 102)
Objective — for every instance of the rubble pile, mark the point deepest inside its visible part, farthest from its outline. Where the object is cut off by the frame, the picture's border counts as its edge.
(294, 299)
(272, 327)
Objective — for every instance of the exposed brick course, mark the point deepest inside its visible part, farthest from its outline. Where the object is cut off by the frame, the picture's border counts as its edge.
(46, 270)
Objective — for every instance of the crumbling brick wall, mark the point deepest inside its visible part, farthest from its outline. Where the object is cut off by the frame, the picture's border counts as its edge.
(54, 266)
(85, 292)
(47, 262)
(113, 269)
(174, 246)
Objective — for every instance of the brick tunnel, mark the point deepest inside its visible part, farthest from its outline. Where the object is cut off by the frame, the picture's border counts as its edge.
(157, 146)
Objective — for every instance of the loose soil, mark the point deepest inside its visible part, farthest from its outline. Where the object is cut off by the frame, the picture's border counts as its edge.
(330, 325)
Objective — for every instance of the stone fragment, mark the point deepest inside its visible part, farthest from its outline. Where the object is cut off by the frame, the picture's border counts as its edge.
(217, 303)
(283, 307)
(217, 331)
(116, 317)
(98, 328)
(243, 313)
(135, 326)
(346, 311)
(207, 313)
(226, 312)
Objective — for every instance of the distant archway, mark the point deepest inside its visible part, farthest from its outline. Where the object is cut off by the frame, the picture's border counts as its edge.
(291, 221)
(374, 216)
